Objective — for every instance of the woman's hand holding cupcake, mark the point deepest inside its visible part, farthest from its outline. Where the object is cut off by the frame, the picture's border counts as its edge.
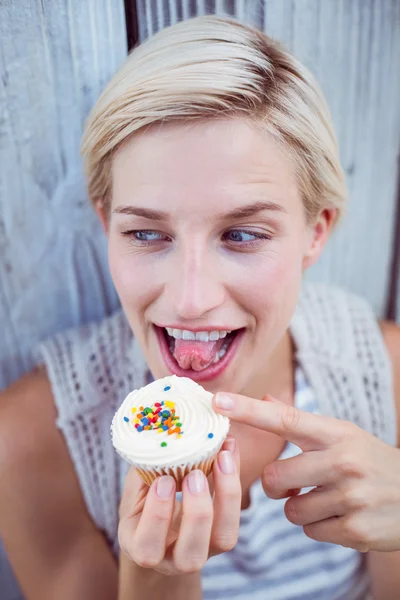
(170, 434)
(356, 477)
(157, 531)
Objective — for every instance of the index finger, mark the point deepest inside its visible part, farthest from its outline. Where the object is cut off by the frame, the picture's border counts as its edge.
(306, 430)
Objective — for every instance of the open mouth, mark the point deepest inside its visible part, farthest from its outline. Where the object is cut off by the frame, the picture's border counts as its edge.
(201, 355)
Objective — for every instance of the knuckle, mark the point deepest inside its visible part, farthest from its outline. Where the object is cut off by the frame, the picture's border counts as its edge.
(347, 464)
(291, 512)
(160, 520)
(356, 534)
(201, 516)
(232, 491)
(224, 542)
(144, 560)
(270, 478)
(354, 497)
(290, 418)
(191, 564)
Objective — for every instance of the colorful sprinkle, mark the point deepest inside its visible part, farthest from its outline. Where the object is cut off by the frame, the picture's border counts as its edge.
(133, 409)
(160, 416)
(126, 419)
(210, 435)
(168, 387)
(163, 444)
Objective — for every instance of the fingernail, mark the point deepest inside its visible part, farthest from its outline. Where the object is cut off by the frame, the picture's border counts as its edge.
(225, 462)
(196, 481)
(165, 486)
(224, 401)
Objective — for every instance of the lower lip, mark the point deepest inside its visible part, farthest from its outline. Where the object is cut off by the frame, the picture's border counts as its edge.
(211, 372)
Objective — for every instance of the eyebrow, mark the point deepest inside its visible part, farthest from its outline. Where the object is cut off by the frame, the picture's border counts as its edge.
(238, 213)
(251, 209)
(146, 213)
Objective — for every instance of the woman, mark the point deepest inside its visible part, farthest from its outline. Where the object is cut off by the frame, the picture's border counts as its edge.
(212, 164)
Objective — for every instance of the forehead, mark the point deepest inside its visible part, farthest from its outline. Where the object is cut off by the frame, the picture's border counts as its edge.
(216, 159)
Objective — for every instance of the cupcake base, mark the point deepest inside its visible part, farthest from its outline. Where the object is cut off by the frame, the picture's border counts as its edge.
(178, 473)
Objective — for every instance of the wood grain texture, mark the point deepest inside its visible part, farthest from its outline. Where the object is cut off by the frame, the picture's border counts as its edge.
(55, 58)
(395, 287)
(353, 48)
(398, 295)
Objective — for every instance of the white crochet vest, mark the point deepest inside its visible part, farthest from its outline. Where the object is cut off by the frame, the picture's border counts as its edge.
(91, 369)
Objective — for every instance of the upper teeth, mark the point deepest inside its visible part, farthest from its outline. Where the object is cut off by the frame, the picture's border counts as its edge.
(200, 336)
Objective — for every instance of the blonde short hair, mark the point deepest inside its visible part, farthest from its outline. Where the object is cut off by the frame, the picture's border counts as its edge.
(213, 67)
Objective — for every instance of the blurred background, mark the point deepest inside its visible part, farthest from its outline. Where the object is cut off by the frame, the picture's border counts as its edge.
(56, 57)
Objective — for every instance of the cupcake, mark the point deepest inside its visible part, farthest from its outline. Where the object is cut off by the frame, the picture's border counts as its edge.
(169, 427)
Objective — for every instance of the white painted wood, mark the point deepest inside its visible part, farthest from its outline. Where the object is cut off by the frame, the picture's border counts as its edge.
(398, 294)
(398, 300)
(353, 47)
(55, 58)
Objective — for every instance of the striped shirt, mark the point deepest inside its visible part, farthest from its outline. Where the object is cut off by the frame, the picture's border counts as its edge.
(274, 560)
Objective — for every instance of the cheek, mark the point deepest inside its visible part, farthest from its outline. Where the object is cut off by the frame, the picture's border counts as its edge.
(130, 277)
(270, 286)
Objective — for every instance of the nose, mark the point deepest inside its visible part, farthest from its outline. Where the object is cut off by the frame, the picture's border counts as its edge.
(198, 287)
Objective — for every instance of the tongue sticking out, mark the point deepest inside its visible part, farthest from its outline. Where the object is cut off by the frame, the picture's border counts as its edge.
(196, 355)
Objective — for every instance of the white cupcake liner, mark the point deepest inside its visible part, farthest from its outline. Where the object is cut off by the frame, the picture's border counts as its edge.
(178, 472)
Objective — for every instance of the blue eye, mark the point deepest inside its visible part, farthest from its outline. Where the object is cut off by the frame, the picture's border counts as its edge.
(147, 236)
(243, 237)
(237, 235)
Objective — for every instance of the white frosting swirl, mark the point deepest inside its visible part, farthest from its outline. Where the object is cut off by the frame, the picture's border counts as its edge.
(193, 406)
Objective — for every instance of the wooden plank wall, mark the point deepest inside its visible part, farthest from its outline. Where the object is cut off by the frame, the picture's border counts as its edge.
(55, 58)
(353, 47)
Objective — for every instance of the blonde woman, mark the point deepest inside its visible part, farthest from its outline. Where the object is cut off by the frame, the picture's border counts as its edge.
(213, 166)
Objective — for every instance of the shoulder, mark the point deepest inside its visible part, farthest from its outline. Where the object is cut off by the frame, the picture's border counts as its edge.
(27, 417)
(391, 337)
(41, 483)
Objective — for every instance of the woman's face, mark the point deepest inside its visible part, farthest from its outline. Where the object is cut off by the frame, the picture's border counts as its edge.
(207, 235)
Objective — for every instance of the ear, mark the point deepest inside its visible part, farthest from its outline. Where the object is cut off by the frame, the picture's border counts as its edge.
(319, 234)
(102, 213)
